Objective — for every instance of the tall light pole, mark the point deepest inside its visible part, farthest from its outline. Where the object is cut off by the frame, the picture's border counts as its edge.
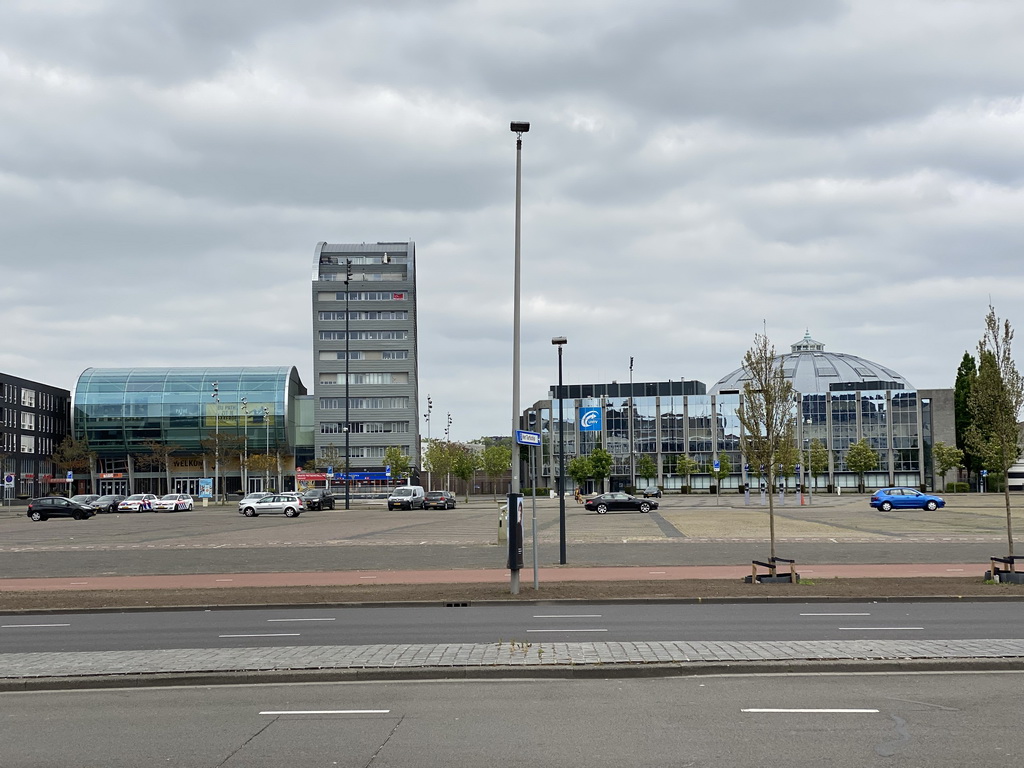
(560, 341)
(515, 541)
(216, 439)
(426, 416)
(632, 453)
(348, 285)
(266, 463)
(448, 443)
(244, 408)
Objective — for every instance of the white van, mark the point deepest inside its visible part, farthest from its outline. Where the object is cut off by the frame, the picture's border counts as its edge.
(407, 497)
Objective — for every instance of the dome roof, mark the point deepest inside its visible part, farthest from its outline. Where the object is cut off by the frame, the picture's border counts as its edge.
(812, 370)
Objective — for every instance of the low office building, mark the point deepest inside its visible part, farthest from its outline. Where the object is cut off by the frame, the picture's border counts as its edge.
(162, 430)
(839, 398)
(34, 419)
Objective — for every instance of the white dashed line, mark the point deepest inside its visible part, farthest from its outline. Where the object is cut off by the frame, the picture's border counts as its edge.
(876, 629)
(17, 626)
(835, 614)
(331, 619)
(327, 712)
(569, 616)
(814, 711)
(567, 630)
(292, 634)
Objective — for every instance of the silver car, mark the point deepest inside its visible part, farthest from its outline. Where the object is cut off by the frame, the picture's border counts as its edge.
(275, 503)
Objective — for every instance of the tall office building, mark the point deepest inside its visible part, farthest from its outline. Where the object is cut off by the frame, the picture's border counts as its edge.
(364, 327)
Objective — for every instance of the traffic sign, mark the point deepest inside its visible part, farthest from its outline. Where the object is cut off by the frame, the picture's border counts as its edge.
(717, 465)
(8, 480)
(527, 438)
(71, 476)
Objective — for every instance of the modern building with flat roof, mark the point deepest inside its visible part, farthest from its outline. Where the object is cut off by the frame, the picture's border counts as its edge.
(838, 400)
(365, 354)
(34, 419)
(210, 420)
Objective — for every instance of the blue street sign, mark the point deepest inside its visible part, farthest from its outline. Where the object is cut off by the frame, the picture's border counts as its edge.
(71, 475)
(590, 419)
(984, 473)
(330, 470)
(717, 465)
(527, 438)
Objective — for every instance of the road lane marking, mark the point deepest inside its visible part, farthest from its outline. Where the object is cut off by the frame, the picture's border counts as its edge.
(835, 614)
(282, 634)
(877, 629)
(16, 626)
(331, 619)
(224, 579)
(326, 712)
(367, 577)
(660, 573)
(566, 630)
(814, 711)
(568, 616)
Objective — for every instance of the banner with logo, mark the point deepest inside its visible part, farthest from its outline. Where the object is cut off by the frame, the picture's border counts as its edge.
(590, 419)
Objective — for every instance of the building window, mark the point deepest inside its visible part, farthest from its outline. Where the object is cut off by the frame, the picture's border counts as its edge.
(394, 354)
(28, 398)
(365, 335)
(334, 355)
(382, 379)
(28, 420)
(376, 403)
(28, 444)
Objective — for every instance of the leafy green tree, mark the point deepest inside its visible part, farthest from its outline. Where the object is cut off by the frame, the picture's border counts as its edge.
(767, 416)
(465, 463)
(816, 460)
(946, 457)
(601, 465)
(966, 376)
(646, 468)
(723, 471)
(439, 458)
(265, 463)
(861, 458)
(580, 469)
(995, 403)
(74, 455)
(400, 463)
(496, 461)
(158, 457)
(686, 466)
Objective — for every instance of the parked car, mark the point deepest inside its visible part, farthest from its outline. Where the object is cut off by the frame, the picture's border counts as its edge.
(616, 501)
(439, 500)
(406, 497)
(107, 503)
(174, 502)
(288, 504)
(652, 492)
(57, 506)
(318, 498)
(905, 498)
(85, 498)
(137, 502)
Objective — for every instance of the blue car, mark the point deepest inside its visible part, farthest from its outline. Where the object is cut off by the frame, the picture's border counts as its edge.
(905, 498)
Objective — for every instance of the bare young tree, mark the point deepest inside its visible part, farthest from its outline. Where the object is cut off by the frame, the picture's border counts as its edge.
(767, 415)
(995, 402)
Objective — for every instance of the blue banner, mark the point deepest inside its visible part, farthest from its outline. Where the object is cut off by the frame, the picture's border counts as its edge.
(590, 419)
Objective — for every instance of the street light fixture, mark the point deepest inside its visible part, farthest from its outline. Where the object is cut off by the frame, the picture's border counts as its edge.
(216, 439)
(561, 341)
(244, 408)
(426, 416)
(515, 543)
(348, 285)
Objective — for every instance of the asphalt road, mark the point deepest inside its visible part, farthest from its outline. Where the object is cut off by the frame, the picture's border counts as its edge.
(606, 623)
(843, 721)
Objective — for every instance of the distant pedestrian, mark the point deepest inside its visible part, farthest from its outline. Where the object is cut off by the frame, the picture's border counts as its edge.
(578, 496)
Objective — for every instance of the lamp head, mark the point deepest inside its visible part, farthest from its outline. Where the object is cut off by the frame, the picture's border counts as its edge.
(559, 340)
(519, 127)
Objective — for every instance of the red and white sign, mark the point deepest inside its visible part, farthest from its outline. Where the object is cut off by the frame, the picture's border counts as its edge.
(305, 477)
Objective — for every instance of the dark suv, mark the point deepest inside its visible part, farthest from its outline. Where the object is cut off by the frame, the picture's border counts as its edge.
(58, 506)
(318, 498)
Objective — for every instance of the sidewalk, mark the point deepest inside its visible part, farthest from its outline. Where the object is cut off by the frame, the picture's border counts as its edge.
(478, 576)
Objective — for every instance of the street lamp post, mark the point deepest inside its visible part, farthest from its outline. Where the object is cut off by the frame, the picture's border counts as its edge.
(560, 341)
(632, 454)
(266, 462)
(216, 440)
(244, 408)
(448, 443)
(426, 416)
(515, 541)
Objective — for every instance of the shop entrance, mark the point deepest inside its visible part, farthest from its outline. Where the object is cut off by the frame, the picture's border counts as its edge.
(108, 487)
(189, 485)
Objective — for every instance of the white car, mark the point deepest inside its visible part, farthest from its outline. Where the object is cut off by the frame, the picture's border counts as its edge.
(174, 502)
(274, 503)
(250, 497)
(137, 502)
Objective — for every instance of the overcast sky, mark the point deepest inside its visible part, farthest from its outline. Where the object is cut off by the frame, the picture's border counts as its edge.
(695, 171)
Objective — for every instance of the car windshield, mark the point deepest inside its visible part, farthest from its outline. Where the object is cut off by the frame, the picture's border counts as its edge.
(171, 497)
(136, 497)
(403, 492)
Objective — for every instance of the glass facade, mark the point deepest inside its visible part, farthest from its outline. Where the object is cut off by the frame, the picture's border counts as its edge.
(706, 428)
(120, 410)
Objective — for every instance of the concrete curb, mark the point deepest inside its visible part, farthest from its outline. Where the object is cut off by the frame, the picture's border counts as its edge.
(501, 672)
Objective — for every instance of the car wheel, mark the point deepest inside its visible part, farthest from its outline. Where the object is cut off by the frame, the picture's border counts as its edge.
(249, 512)
(886, 506)
(188, 508)
(38, 516)
(931, 506)
(290, 512)
(645, 507)
(602, 509)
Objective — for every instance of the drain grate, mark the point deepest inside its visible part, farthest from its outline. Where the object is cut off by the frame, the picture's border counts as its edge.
(457, 605)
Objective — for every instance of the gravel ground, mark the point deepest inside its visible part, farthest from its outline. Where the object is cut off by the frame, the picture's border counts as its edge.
(858, 589)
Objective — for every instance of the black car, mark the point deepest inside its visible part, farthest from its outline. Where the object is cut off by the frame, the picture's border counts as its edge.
(107, 503)
(439, 500)
(615, 501)
(652, 492)
(57, 506)
(318, 498)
